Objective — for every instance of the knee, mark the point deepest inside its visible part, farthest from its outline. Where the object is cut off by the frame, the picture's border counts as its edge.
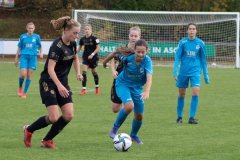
(84, 73)
(53, 119)
(94, 73)
(138, 117)
(128, 107)
(116, 107)
(68, 117)
(182, 94)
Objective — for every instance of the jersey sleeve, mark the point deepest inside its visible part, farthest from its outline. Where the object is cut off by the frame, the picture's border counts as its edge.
(96, 41)
(81, 42)
(203, 58)
(148, 66)
(20, 42)
(38, 41)
(177, 59)
(54, 52)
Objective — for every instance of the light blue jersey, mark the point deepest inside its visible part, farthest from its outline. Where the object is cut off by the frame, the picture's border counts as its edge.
(29, 44)
(192, 55)
(132, 75)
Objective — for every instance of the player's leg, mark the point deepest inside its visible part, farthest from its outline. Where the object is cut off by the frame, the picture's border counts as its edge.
(32, 65)
(48, 95)
(182, 84)
(23, 71)
(195, 84)
(116, 101)
(66, 106)
(138, 115)
(124, 94)
(84, 81)
(93, 66)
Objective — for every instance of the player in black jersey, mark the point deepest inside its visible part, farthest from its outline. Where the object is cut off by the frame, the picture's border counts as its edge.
(54, 88)
(89, 58)
(134, 35)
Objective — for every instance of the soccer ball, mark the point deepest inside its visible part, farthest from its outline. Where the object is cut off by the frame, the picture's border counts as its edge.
(214, 64)
(122, 142)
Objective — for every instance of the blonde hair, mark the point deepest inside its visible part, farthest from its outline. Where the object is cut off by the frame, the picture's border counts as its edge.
(64, 22)
(30, 23)
(89, 25)
(135, 28)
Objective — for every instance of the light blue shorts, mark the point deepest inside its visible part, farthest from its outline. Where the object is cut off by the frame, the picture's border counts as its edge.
(28, 61)
(183, 81)
(129, 94)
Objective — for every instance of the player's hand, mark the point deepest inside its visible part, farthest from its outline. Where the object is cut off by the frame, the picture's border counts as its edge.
(63, 91)
(145, 95)
(105, 65)
(41, 55)
(16, 61)
(115, 74)
(79, 77)
(90, 56)
(206, 79)
(176, 78)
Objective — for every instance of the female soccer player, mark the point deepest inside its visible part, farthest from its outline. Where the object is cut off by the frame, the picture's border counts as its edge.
(134, 35)
(54, 88)
(27, 49)
(90, 58)
(137, 70)
(191, 53)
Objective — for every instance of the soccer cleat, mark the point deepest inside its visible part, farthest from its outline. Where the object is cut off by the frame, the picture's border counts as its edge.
(192, 121)
(27, 136)
(84, 91)
(48, 144)
(136, 139)
(113, 131)
(19, 92)
(97, 92)
(24, 95)
(179, 120)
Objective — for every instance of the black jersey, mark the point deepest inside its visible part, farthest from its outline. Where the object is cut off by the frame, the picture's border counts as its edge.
(120, 65)
(90, 44)
(63, 55)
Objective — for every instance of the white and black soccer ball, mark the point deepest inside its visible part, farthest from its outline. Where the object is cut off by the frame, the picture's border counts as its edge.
(122, 142)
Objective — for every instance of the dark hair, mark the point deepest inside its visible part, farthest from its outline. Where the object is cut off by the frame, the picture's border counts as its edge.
(123, 50)
(192, 24)
(64, 22)
(141, 42)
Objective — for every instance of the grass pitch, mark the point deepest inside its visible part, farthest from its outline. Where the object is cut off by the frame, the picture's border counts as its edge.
(86, 136)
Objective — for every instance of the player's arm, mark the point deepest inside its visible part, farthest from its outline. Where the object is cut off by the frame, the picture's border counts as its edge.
(39, 44)
(149, 72)
(177, 60)
(108, 58)
(113, 68)
(16, 57)
(96, 50)
(62, 90)
(77, 68)
(41, 52)
(145, 94)
(204, 63)
(79, 48)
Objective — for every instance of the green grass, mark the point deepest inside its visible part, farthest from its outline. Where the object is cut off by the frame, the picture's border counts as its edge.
(216, 137)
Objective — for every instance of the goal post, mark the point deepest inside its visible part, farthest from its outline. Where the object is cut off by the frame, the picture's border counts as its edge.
(163, 30)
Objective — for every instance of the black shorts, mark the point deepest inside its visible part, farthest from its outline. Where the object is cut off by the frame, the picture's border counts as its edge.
(114, 97)
(50, 95)
(90, 63)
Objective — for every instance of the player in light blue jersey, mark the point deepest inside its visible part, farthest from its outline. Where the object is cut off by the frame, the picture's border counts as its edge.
(191, 53)
(137, 71)
(28, 45)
